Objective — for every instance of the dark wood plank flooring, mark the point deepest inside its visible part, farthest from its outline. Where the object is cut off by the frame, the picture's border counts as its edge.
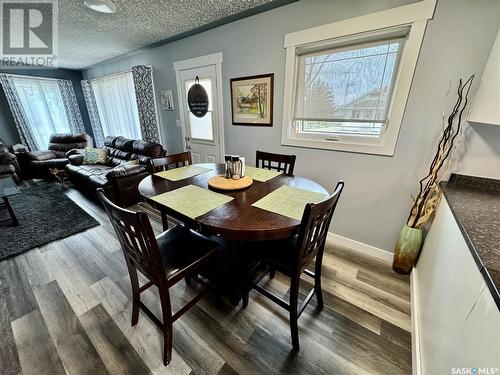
(66, 307)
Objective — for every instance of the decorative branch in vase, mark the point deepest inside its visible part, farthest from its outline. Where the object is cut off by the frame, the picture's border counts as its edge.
(429, 194)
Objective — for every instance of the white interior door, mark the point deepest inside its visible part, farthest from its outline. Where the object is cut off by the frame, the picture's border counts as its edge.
(202, 136)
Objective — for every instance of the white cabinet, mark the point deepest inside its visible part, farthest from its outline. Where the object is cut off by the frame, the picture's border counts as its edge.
(457, 323)
(486, 105)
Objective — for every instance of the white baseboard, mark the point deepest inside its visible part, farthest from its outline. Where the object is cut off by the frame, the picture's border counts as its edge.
(370, 250)
(415, 326)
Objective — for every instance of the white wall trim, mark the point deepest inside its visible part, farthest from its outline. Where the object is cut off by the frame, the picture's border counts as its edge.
(198, 62)
(337, 240)
(415, 326)
(421, 10)
(413, 16)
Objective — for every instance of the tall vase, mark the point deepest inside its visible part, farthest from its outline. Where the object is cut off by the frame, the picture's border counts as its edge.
(407, 249)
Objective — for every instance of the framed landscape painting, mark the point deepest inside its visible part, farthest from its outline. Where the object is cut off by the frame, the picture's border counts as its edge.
(252, 100)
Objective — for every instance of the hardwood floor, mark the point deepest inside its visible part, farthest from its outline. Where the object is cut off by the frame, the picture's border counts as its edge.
(66, 308)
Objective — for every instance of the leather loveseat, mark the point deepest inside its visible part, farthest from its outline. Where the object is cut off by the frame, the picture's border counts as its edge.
(8, 162)
(36, 164)
(118, 177)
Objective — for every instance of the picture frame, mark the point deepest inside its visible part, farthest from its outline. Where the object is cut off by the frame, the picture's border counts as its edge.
(167, 100)
(252, 100)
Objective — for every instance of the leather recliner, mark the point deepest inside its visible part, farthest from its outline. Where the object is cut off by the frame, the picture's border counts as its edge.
(8, 162)
(36, 164)
(117, 177)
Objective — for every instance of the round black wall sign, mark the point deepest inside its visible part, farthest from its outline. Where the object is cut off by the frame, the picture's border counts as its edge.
(198, 99)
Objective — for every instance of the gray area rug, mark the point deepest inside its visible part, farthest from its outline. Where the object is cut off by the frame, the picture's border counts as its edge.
(45, 214)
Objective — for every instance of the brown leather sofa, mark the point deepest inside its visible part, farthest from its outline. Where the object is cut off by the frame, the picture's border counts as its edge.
(118, 179)
(8, 162)
(36, 164)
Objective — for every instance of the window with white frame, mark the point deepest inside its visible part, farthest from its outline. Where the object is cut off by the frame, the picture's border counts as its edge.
(117, 105)
(43, 105)
(347, 83)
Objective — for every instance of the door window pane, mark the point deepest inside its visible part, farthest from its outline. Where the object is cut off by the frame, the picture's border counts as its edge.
(202, 127)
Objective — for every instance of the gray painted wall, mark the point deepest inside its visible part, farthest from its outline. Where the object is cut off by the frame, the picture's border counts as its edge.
(8, 131)
(378, 189)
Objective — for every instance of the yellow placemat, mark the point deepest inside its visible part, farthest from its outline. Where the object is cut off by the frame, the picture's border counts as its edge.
(192, 201)
(181, 173)
(289, 201)
(260, 174)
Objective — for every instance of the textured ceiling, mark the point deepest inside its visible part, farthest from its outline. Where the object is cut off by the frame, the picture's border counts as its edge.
(87, 37)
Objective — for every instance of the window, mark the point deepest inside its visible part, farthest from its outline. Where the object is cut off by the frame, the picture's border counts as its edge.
(42, 103)
(202, 128)
(117, 105)
(346, 91)
(347, 83)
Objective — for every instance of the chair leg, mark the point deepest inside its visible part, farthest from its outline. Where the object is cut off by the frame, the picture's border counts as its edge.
(294, 300)
(246, 297)
(164, 221)
(166, 310)
(136, 296)
(188, 280)
(272, 272)
(317, 283)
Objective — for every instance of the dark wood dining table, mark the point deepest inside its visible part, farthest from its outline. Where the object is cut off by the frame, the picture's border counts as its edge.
(236, 220)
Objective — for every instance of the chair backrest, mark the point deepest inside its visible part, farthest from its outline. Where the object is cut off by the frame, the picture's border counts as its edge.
(136, 237)
(121, 149)
(279, 162)
(61, 143)
(314, 227)
(170, 161)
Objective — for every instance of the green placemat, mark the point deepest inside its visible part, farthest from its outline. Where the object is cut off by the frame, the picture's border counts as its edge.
(181, 173)
(289, 201)
(192, 201)
(261, 174)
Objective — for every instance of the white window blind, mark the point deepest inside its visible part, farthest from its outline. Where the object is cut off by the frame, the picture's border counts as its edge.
(42, 103)
(117, 105)
(346, 90)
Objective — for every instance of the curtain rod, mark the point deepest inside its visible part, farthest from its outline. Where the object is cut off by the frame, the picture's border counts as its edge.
(117, 73)
(111, 75)
(36, 77)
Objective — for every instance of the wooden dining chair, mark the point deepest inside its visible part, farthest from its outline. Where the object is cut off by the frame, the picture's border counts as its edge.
(163, 260)
(280, 162)
(170, 161)
(165, 163)
(292, 256)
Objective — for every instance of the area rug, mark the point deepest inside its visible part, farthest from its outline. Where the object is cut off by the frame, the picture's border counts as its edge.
(45, 214)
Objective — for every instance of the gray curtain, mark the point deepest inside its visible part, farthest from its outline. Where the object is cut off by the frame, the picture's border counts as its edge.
(71, 106)
(146, 105)
(95, 121)
(17, 110)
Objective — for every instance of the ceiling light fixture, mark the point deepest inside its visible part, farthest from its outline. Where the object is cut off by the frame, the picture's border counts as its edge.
(102, 6)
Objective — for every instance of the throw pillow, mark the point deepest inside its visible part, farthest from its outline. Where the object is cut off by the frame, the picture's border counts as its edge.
(95, 156)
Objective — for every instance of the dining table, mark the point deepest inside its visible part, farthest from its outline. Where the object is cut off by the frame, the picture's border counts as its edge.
(235, 221)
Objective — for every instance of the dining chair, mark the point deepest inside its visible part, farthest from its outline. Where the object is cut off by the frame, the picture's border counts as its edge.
(292, 257)
(163, 260)
(165, 163)
(280, 162)
(170, 161)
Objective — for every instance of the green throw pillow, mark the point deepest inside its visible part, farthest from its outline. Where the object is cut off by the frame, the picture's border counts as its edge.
(95, 156)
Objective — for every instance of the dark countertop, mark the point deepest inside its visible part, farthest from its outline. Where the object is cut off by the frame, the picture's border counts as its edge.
(475, 204)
